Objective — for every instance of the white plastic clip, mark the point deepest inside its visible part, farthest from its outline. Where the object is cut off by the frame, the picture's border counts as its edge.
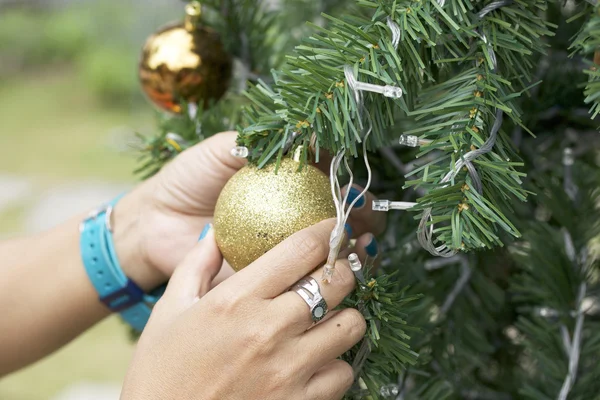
(413, 141)
(393, 92)
(386, 205)
(356, 267)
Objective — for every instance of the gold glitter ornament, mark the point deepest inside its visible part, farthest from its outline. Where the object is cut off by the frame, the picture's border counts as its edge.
(259, 208)
(184, 61)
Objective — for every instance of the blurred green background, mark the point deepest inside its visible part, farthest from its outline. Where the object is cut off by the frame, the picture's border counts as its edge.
(69, 107)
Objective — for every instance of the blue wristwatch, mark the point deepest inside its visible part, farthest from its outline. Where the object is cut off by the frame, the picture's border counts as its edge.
(118, 292)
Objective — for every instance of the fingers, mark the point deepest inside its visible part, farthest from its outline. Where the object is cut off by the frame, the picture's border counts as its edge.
(329, 315)
(288, 262)
(366, 246)
(333, 338)
(298, 315)
(330, 382)
(217, 149)
(192, 278)
(362, 218)
(196, 177)
(225, 273)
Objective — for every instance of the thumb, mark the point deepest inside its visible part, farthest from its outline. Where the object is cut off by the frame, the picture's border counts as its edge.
(192, 278)
(213, 160)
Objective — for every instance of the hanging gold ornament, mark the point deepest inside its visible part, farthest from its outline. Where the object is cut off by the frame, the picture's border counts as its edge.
(184, 61)
(259, 208)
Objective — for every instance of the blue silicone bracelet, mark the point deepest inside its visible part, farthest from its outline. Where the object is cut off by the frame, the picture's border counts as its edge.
(115, 290)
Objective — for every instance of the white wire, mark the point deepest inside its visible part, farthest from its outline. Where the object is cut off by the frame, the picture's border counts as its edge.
(335, 185)
(350, 183)
(425, 234)
(396, 32)
(369, 176)
(341, 215)
(574, 348)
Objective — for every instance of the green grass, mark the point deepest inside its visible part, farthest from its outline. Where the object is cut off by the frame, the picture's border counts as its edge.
(53, 131)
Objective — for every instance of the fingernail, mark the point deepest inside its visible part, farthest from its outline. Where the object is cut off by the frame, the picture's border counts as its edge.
(353, 193)
(205, 231)
(372, 248)
(348, 229)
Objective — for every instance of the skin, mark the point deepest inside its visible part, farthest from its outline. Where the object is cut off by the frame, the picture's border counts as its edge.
(47, 299)
(265, 347)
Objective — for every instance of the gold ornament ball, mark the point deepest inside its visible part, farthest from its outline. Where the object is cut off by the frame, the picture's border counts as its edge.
(259, 208)
(184, 62)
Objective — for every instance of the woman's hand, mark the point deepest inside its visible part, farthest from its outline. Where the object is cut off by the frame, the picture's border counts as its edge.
(155, 225)
(249, 338)
(158, 223)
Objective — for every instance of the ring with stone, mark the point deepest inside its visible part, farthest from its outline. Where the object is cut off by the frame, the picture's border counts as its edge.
(308, 289)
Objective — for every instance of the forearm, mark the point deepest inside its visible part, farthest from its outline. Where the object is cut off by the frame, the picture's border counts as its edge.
(46, 297)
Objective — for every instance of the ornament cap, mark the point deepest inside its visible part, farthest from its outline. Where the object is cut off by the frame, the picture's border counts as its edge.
(193, 11)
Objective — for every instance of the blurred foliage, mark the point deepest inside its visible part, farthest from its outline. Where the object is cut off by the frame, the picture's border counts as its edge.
(29, 38)
(54, 39)
(109, 74)
(99, 40)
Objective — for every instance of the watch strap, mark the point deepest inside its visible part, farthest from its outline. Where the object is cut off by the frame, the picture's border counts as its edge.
(118, 292)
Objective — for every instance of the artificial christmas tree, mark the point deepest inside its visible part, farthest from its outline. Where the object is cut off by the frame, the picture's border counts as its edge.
(441, 99)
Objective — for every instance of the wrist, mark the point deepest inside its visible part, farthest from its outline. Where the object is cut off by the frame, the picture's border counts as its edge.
(128, 238)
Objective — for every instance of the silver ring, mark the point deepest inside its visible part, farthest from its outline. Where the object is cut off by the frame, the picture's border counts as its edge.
(308, 289)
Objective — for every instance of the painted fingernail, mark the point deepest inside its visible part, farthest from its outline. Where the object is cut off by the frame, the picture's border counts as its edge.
(205, 231)
(372, 248)
(348, 229)
(353, 193)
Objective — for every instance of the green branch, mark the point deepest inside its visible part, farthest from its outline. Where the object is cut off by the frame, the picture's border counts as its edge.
(587, 42)
(444, 64)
